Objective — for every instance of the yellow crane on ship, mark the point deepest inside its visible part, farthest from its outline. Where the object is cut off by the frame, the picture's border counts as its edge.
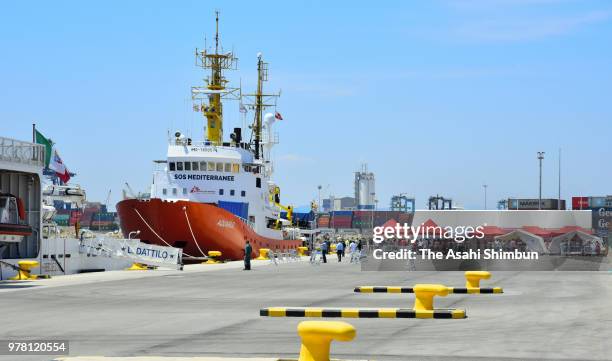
(207, 99)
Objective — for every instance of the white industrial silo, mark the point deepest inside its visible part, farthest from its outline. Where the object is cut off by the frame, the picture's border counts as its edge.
(365, 191)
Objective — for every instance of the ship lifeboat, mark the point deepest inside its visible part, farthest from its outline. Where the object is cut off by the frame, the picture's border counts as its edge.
(12, 217)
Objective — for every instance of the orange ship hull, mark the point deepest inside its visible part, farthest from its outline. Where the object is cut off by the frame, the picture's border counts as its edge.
(195, 227)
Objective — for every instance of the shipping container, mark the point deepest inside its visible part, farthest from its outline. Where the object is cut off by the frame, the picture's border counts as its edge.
(323, 223)
(362, 224)
(341, 213)
(597, 202)
(61, 217)
(103, 216)
(534, 204)
(580, 202)
(237, 208)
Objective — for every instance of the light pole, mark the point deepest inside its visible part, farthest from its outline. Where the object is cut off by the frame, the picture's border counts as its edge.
(319, 188)
(540, 158)
(485, 194)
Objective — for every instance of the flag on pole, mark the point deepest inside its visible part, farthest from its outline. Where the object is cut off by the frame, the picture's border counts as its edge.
(278, 116)
(41, 139)
(243, 109)
(59, 167)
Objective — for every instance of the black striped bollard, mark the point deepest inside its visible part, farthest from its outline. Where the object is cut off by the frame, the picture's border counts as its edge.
(472, 286)
(359, 312)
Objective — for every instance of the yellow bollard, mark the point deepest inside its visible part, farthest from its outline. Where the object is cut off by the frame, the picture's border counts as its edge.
(25, 271)
(317, 337)
(472, 278)
(302, 251)
(263, 254)
(213, 257)
(137, 267)
(424, 294)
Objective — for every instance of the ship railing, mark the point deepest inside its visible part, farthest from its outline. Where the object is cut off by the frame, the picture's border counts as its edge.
(247, 222)
(195, 143)
(13, 150)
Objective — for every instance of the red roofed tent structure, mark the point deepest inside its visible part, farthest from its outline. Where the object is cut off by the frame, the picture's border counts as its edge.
(390, 223)
(540, 232)
(569, 229)
(493, 231)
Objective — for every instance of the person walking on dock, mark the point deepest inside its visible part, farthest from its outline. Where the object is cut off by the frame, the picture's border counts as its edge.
(340, 250)
(353, 251)
(324, 251)
(247, 256)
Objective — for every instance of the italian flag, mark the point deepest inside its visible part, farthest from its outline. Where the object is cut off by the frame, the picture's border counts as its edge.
(59, 167)
(52, 159)
(41, 139)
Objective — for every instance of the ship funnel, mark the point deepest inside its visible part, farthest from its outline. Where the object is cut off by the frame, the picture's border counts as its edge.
(269, 138)
(269, 119)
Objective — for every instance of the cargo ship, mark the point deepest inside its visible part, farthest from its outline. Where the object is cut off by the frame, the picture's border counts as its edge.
(216, 194)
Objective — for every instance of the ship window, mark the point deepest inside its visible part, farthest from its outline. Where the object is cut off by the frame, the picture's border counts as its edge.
(243, 193)
(164, 191)
(258, 182)
(228, 167)
(232, 192)
(172, 166)
(179, 165)
(187, 165)
(211, 166)
(220, 192)
(195, 165)
(235, 168)
(202, 166)
(219, 167)
(184, 190)
(174, 191)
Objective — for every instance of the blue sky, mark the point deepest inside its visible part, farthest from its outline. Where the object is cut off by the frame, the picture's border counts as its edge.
(436, 96)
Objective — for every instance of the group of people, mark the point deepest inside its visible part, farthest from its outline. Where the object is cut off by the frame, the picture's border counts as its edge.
(353, 247)
(341, 247)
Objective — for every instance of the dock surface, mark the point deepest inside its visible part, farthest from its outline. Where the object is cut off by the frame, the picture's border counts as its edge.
(213, 311)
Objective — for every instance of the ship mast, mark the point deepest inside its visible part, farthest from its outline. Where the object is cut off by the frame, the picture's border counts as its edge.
(262, 75)
(208, 99)
(260, 102)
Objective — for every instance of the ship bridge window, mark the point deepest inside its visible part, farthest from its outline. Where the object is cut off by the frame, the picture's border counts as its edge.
(164, 191)
(211, 166)
(220, 192)
(184, 190)
(232, 192)
(187, 165)
(179, 165)
(235, 168)
(228, 167)
(195, 166)
(173, 191)
(172, 166)
(219, 167)
(202, 166)
(258, 182)
(243, 193)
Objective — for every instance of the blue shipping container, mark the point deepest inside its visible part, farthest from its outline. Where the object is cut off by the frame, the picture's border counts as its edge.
(301, 217)
(342, 213)
(238, 208)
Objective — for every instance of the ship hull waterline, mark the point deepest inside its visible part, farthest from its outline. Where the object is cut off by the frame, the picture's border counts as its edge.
(195, 227)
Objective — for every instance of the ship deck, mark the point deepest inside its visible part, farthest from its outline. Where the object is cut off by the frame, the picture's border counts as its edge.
(213, 310)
